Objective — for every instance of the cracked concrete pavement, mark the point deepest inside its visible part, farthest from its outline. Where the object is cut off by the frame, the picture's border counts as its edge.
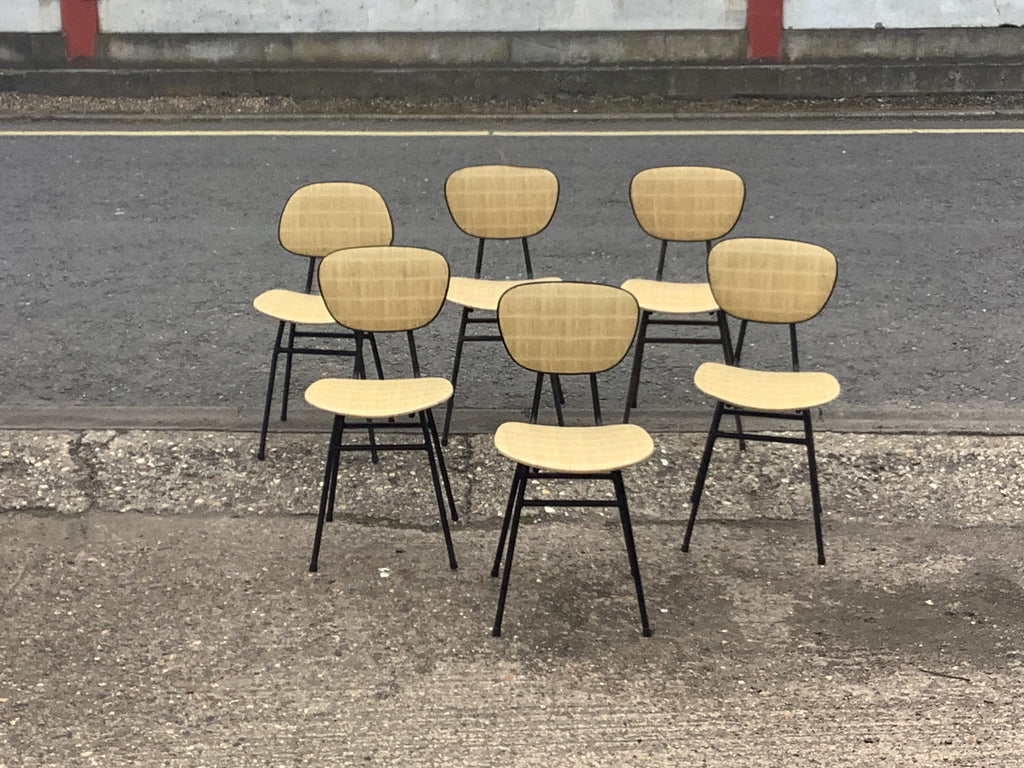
(158, 610)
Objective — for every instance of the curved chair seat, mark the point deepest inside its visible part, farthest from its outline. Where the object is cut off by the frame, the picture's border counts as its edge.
(574, 450)
(568, 329)
(294, 307)
(377, 398)
(492, 202)
(477, 293)
(681, 204)
(383, 289)
(677, 298)
(774, 282)
(317, 219)
(766, 390)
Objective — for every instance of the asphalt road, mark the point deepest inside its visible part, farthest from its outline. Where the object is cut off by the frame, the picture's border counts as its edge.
(128, 263)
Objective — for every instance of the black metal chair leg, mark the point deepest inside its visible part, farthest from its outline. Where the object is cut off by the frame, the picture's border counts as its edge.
(455, 375)
(262, 450)
(286, 389)
(376, 356)
(556, 388)
(731, 358)
(443, 466)
(634, 564)
(638, 358)
(326, 494)
(359, 372)
(372, 436)
(738, 347)
(514, 529)
(334, 474)
(556, 393)
(435, 476)
(702, 473)
(518, 477)
(812, 466)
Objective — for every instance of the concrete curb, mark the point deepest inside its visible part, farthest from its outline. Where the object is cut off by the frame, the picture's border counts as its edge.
(158, 609)
(690, 112)
(481, 83)
(888, 419)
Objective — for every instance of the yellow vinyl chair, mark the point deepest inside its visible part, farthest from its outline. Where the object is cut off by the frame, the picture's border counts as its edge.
(317, 219)
(683, 204)
(770, 281)
(493, 202)
(561, 329)
(384, 289)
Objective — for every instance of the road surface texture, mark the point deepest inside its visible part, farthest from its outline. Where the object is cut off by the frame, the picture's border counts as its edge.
(156, 603)
(157, 609)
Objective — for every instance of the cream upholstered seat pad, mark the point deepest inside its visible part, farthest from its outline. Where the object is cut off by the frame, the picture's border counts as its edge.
(769, 280)
(293, 306)
(325, 216)
(665, 296)
(377, 398)
(687, 203)
(501, 201)
(573, 449)
(484, 294)
(766, 390)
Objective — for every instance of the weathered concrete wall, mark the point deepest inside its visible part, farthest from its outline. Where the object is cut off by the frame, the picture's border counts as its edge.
(427, 48)
(325, 16)
(276, 33)
(964, 43)
(222, 17)
(903, 14)
(30, 16)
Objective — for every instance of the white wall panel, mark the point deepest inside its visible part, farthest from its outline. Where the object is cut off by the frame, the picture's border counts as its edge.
(269, 16)
(897, 14)
(29, 15)
(255, 16)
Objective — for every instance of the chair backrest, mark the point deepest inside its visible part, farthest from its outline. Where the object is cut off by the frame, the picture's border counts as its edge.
(566, 327)
(501, 201)
(687, 203)
(768, 280)
(326, 216)
(384, 288)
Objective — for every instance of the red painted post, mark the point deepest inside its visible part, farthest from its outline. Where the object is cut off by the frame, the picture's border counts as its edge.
(81, 24)
(764, 29)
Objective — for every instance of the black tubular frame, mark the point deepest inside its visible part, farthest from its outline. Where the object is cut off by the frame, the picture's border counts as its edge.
(714, 432)
(517, 500)
(289, 349)
(718, 320)
(431, 445)
(467, 320)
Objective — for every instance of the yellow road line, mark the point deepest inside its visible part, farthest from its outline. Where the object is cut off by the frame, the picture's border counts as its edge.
(554, 134)
(172, 134)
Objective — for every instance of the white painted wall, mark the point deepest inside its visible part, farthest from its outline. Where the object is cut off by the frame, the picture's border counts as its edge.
(226, 16)
(255, 16)
(30, 16)
(897, 14)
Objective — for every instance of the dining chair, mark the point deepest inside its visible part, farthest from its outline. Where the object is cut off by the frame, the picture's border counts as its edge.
(317, 219)
(777, 282)
(493, 202)
(681, 204)
(567, 328)
(377, 290)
